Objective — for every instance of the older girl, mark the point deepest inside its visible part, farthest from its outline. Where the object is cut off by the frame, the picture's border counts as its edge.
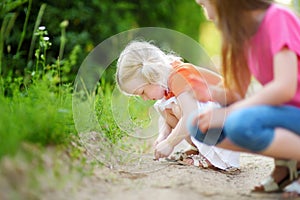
(260, 39)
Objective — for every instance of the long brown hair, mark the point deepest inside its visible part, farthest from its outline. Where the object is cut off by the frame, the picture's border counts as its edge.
(237, 25)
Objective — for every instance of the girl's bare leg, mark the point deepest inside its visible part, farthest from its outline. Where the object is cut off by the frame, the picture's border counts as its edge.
(285, 145)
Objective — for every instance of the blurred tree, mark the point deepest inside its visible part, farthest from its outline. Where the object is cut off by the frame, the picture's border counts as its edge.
(296, 5)
(89, 23)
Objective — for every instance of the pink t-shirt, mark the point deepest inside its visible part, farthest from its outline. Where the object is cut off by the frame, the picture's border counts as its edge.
(279, 28)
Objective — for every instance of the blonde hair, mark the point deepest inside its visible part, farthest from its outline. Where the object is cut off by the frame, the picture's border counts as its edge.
(144, 63)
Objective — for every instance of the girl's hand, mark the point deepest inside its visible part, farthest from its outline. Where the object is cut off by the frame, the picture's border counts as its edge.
(212, 118)
(163, 149)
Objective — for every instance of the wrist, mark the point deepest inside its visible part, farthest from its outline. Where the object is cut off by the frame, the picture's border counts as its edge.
(229, 109)
(170, 142)
(173, 140)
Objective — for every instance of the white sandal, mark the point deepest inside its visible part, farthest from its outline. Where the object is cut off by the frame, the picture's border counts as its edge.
(200, 161)
(294, 187)
(269, 185)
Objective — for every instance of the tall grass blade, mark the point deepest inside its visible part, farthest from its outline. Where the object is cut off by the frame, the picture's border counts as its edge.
(24, 26)
(6, 7)
(36, 26)
(6, 27)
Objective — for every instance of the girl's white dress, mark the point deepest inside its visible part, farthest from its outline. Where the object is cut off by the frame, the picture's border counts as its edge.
(218, 157)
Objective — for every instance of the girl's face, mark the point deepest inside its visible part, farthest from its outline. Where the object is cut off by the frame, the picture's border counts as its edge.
(150, 92)
(210, 11)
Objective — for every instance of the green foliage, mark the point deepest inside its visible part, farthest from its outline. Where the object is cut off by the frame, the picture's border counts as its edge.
(105, 117)
(88, 24)
(36, 107)
(139, 111)
(296, 5)
(43, 43)
(110, 108)
(7, 6)
(36, 115)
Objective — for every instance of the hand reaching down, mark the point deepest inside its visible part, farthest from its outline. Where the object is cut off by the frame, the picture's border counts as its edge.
(163, 149)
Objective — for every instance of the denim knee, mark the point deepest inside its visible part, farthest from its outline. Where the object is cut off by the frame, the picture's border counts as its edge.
(244, 129)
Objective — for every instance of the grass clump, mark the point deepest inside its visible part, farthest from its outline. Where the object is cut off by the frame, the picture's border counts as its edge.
(36, 115)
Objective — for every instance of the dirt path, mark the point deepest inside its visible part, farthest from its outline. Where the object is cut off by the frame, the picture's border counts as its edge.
(145, 179)
(177, 182)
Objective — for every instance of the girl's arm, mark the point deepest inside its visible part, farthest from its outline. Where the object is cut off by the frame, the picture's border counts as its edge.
(213, 84)
(164, 130)
(283, 86)
(188, 104)
(224, 96)
(277, 92)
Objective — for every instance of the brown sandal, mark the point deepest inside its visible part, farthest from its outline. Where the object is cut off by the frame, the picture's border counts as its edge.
(202, 162)
(181, 155)
(197, 161)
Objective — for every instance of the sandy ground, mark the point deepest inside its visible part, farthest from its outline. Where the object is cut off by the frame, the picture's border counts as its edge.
(143, 179)
(171, 181)
(147, 179)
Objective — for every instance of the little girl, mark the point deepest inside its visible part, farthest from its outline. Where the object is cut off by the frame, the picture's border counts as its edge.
(145, 70)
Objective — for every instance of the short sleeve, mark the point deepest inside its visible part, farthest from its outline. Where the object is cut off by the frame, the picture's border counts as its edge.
(183, 79)
(178, 82)
(283, 30)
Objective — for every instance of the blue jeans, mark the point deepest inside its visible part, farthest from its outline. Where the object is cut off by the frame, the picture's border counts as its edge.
(251, 128)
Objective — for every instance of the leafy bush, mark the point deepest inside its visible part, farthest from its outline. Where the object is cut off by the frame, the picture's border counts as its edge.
(37, 115)
(87, 23)
(36, 107)
(43, 43)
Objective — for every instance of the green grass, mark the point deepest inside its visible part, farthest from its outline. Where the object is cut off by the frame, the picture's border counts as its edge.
(104, 113)
(36, 115)
(36, 105)
(38, 139)
(119, 115)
